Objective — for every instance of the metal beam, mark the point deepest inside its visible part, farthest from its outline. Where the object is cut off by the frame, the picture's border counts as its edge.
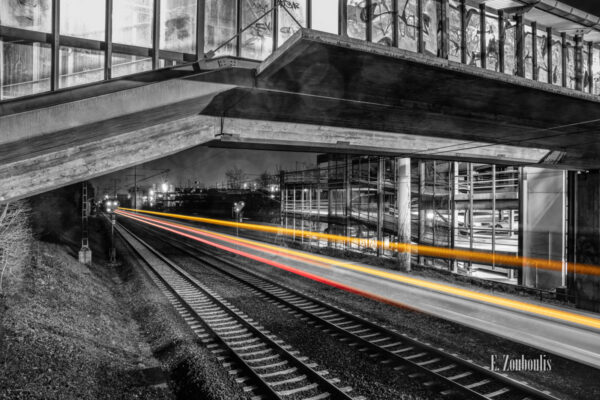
(445, 29)
(501, 41)
(520, 45)
(200, 23)
(482, 36)
(463, 31)
(549, 44)
(108, 40)
(534, 61)
(156, 35)
(55, 47)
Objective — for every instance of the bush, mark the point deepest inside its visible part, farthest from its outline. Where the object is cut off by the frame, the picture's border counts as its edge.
(15, 238)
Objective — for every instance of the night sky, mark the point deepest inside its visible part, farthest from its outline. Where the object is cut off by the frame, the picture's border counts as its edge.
(205, 165)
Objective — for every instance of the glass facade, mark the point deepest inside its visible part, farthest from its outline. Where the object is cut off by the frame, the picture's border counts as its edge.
(408, 20)
(557, 54)
(24, 68)
(528, 57)
(132, 22)
(325, 15)
(178, 25)
(570, 56)
(27, 36)
(356, 23)
(220, 26)
(35, 15)
(492, 42)
(257, 40)
(383, 22)
(542, 55)
(455, 39)
(473, 37)
(291, 16)
(80, 66)
(83, 18)
(125, 64)
(467, 206)
(510, 65)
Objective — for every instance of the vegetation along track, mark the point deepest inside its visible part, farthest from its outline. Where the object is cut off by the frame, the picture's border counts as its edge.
(262, 363)
(444, 372)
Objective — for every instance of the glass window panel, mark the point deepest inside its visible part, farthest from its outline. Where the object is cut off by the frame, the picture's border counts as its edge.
(178, 25)
(132, 22)
(383, 22)
(24, 68)
(286, 24)
(510, 66)
(408, 25)
(455, 40)
(596, 69)
(169, 62)
(125, 64)
(357, 19)
(80, 66)
(473, 37)
(542, 55)
(33, 15)
(257, 41)
(570, 64)
(220, 26)
(430, 26)
(586, 68)
(83, 18)
(324, 15)
(528, 57)
(556, 60)
(491, 38)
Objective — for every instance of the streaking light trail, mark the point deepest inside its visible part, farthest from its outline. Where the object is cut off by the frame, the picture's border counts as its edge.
(323, 262)
(422, 250)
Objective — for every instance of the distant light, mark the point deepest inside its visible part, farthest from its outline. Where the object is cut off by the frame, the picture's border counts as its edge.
(151, 192)
(429, 215)
(272, 196)
(165, 187)
(105, 197)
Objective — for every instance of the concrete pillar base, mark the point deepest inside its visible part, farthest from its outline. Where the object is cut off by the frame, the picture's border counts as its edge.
(85, 255)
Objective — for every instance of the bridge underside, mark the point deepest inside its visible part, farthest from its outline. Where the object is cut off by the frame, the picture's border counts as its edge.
(318, 92)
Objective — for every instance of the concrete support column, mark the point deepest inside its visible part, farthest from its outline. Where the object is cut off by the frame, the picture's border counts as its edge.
(380, 205)
(403, 207)
(544, 225)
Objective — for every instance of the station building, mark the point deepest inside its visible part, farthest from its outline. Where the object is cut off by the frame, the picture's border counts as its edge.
(458, 123)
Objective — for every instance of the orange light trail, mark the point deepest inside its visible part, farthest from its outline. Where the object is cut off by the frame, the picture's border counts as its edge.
(417, 249)
(318, 261)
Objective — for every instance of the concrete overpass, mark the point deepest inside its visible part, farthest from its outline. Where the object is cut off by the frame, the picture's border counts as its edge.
(317, 92)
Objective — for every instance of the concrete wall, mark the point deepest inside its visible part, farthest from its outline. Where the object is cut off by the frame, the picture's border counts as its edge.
(544, 225)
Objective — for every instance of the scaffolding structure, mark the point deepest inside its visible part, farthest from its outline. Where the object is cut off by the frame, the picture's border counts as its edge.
(449, 205)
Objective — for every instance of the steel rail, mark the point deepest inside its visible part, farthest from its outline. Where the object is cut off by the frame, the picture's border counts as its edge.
(323, 383)
(420, 367)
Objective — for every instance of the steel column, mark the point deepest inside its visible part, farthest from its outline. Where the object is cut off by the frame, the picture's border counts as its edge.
(501, 41)
(108, 40)
(200, 23)
(482, 36)
(549, 44)
(520, 45)
(55, 46)
(534, 60)
(156, 35)
(578, 62)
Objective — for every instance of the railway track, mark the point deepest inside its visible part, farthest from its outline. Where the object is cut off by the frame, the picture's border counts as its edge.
(448, 374)
(265, 366)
